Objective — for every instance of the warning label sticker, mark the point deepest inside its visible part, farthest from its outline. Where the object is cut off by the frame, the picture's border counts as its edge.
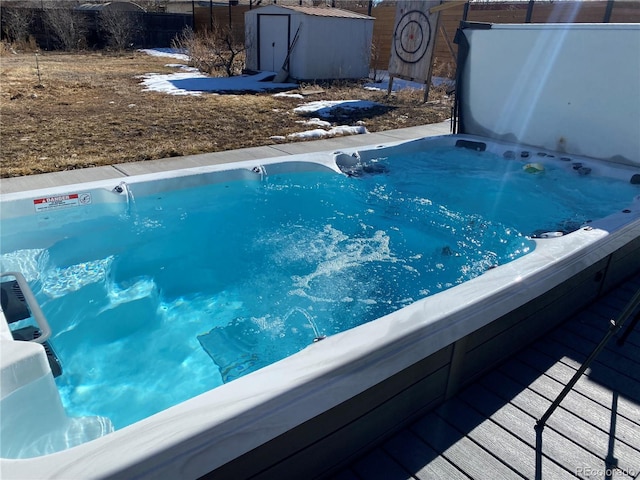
(61, 201)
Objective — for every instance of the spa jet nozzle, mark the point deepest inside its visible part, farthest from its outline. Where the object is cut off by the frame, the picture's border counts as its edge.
(121, 187)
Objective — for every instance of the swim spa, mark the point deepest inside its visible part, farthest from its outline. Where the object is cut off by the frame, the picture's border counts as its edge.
(425, 343)
(303, 415)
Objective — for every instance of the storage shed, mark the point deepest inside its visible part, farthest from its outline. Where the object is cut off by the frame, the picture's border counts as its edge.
(312, 43)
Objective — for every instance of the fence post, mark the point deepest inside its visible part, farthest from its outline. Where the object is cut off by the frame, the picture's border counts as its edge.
(607, 12)
(529, 11)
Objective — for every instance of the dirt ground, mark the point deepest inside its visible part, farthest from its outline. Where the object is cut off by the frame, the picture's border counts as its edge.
(61, 111)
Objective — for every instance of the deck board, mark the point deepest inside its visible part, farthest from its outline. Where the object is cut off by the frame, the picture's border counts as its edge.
(559, 444)
(594, 319)
(378, 465)
(460, 450)
(585, 386)
(592, 334)
(606, 375)
(577, 404)
(619, 358)
(420, 459)
(590, 440)
(487, 430)
(519, 424)
(498, 440)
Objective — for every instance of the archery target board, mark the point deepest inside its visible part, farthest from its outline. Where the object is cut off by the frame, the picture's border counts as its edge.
(414, 37)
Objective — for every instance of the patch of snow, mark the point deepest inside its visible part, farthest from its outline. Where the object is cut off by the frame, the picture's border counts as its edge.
(326, 108)
(437, 81)
(335, 131)
(165, 83)
(289, 95)
(184, 68)
(309, 134)
(401, 84)
(315, 121)
(166, 52)
(346, 130)
(260, 82)
(190, 81)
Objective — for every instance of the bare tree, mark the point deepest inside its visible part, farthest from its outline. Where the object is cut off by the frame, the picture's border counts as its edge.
(120, 27)
(16, 22)
(376, 60)
(69, 27)
(213, 51)
(232, 50)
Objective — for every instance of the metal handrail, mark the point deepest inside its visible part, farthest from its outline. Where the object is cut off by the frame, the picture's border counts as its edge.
(614, 326)
(32, 303)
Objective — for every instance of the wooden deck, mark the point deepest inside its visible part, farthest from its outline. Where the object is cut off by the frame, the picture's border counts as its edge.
(487, 430)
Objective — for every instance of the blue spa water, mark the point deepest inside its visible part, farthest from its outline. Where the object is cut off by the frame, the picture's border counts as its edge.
(188, 289)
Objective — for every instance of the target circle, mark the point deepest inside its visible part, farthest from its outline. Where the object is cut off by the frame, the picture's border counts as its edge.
(412, 36)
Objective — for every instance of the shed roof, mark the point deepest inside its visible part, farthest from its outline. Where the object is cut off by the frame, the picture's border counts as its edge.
(326, 12)
(128, 6)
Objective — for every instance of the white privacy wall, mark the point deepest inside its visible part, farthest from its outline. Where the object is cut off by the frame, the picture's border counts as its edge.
(571, 88)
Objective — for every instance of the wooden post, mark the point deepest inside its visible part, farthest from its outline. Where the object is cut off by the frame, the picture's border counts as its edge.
(529, 11)
(211, 15)
(427, 81)
(448, 42)
(607, 12)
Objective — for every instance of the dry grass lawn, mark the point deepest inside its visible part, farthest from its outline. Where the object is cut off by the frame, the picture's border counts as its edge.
(90, 109)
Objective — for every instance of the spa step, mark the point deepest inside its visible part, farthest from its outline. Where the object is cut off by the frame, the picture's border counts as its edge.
(29, 333)
(19, 303)
(14, 304)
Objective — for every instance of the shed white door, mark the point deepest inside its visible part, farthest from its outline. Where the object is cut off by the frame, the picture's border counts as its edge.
(273, 41)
